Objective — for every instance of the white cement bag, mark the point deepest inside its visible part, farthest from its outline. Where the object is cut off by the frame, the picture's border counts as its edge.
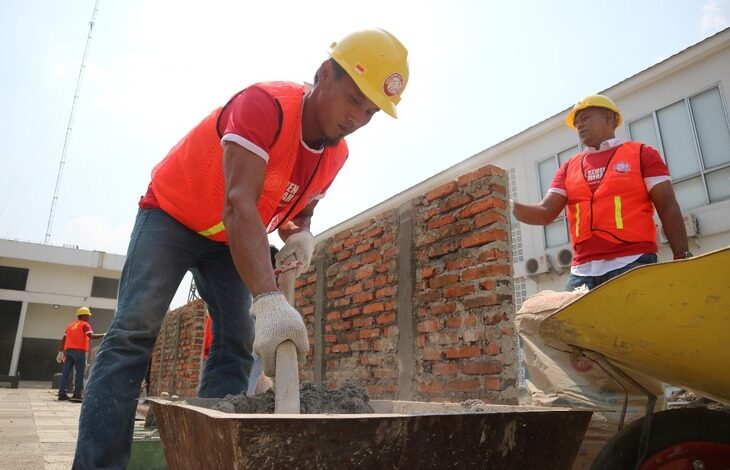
(550, 377)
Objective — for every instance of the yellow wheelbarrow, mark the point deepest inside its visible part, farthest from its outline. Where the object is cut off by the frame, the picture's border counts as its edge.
(670, 322)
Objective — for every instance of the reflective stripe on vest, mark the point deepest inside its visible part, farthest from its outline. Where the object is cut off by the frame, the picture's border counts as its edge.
(197, 162)
(620, 210)
(76, 337)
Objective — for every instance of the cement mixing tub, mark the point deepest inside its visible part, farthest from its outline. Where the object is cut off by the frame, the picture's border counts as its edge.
(407, 435)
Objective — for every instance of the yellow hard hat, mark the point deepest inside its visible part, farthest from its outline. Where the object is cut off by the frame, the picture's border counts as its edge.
(378, 64)
(593, 101)
(83, 311)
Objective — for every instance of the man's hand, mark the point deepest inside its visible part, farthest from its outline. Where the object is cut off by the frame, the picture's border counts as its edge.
(276, 322)
(301, 246)
(60, 357)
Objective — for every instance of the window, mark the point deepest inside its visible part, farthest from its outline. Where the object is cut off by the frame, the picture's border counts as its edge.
(694, 138)
(556, 233)
(104, 287)
(13, 278)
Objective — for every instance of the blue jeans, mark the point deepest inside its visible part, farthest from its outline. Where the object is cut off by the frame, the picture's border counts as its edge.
(594, 281)
(75, 359)
(161, 251)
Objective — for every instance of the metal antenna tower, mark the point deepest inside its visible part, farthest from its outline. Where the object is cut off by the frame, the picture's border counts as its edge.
(68, 128)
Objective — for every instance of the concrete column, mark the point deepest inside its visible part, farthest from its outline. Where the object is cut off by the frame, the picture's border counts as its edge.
(320, 304)
(406, 319)
(18, 340)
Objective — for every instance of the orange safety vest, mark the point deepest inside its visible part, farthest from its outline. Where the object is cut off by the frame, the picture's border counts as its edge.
(189, 186)
(76, 337)
(620, 210)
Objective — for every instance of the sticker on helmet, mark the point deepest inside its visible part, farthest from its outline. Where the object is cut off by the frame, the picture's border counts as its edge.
(359, 69)
(393, 85)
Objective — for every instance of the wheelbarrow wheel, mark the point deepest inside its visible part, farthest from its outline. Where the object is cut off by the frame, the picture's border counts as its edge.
(685, 438)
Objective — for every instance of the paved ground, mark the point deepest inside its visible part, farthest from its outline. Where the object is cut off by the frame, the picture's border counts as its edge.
(36, 430)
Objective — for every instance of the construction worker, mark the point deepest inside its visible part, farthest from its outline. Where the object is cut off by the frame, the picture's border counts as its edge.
(610, 190)
(72, 353)
(257, 164)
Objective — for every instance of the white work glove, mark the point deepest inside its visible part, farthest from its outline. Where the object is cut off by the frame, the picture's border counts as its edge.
(60, 357)
(301, 246)
(276, 322)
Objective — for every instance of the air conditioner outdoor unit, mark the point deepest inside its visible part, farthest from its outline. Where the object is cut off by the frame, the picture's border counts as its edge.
(690, 225)
(564, 257)
(537, 265)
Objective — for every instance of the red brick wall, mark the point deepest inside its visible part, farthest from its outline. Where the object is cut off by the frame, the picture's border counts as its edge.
(177, 356)
(464, 300)
(414, 303)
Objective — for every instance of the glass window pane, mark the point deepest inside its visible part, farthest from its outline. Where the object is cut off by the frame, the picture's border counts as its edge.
(556, 234)
(679, 147)
(546, 171)
(643, 131)
(565, 155)
(690, 194)
(711, 125)
(718, 184)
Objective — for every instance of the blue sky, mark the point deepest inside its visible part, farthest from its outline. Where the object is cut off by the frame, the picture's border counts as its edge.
(481, 71)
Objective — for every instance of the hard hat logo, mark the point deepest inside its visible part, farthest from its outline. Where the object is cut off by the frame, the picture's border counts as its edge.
(393, 84)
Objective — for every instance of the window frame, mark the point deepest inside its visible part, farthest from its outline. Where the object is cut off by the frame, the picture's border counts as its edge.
(562, 215)
(703, 171)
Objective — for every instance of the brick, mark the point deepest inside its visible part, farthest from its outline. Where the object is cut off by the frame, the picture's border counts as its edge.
(340, 348)
(431, 354)
(458, 291)
(482, 367)
(385, 318)
(385, 292)
(438, 309)
(441, 221)
(465, 351)
(488, 218)
(459, 264)
(363, 247)
(443, 248)
(493, 383)
(373, 308)
(492, 349)
(443, 280)
(461, 321)
(353, 289)
(472, 385)
(369, 333)
(351, 312)
(480, 238)
(428, 326)
(362, 322)
(363, 297)
(364, 272)
(481, 301)
(369, 360)
(369, 258)
(373, 232)
(455, 201)
(334, 316)
(342, 325)
(441, 191)
(431, 387)
(427, 272)
(445, 368)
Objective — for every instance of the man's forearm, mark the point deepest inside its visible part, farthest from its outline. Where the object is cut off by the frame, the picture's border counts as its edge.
(249, 247)
(674, 230)
(533, 214)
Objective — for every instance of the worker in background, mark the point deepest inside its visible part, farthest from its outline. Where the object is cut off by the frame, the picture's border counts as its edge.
(257, 164)
(72, 353)
(610, 190)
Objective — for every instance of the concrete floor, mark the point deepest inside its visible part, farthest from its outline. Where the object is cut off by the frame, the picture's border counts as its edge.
(36, 430)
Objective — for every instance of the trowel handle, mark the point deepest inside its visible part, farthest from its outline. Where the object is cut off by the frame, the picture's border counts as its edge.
(287, 379)
(286, 387)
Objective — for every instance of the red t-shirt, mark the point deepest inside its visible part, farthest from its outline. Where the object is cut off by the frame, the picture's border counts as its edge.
(252, 120)
(594, 165)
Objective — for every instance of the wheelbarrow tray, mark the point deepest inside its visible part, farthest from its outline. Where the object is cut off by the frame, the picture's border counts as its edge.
(399, 435)
(669, 321)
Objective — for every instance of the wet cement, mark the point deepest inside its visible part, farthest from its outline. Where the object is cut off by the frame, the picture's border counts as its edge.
(314, 399)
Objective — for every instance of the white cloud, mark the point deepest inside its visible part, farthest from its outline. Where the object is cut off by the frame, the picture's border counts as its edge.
(94, 233)
(713, 18)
